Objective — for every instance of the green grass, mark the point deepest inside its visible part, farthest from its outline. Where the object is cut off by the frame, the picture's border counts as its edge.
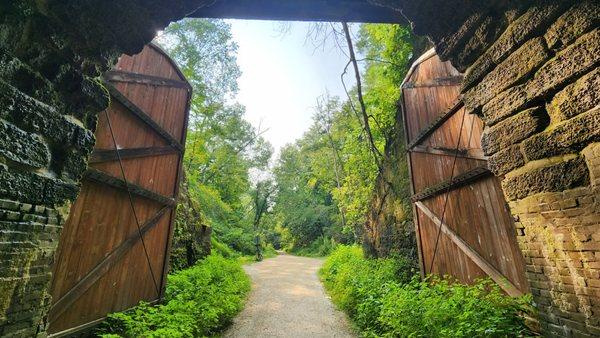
(384, 299)
(199, 301)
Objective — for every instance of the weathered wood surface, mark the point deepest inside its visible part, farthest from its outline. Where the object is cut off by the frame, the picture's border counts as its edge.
(477, 236)
(100, 265)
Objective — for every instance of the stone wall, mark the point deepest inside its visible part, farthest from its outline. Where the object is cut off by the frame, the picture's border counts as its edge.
(532, 74)
(389, 227)
(50, 94)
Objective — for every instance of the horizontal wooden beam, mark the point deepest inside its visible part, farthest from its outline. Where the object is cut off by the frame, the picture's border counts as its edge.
(104, 178)
(436, 124)
(107, 155)
(449, 185)
(484, 265)
(84, 284)
(143, 116)
(129, 77)
(437, 82)
(474, 154)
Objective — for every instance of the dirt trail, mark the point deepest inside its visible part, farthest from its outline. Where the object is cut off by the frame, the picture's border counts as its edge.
(288, 300)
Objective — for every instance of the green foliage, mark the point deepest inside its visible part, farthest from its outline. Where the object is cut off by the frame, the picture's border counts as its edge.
(239, 239)
(221, 146)
(205, 52)
(386, 50)
(320, 247)
(304, 206)
(358, 285)
(438, 308)
(326, 179)
(384, 299)
(191, 238)
(199, 302)
(221, 249)
(268, 252)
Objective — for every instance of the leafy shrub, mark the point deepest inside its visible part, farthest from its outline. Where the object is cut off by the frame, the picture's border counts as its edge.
(358, 285)
(222, 249)
(320, 247)
(385, 299)
(269, 251)
(198, 302)
(436, 308)
(239, 239)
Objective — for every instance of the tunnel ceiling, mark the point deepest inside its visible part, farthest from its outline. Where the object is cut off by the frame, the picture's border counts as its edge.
(300, 10)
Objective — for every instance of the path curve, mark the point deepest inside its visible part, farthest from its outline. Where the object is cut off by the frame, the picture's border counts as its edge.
(288, 300)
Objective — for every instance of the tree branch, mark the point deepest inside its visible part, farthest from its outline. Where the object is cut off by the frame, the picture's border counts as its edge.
(363, 108)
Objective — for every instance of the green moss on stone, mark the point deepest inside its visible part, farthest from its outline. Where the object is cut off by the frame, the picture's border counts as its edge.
(33, 188)
(579, 19)
(568, 64)
(535, 20)
(515, 68)
(506, 160)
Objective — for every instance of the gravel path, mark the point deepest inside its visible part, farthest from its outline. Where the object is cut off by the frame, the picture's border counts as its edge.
(288, 300)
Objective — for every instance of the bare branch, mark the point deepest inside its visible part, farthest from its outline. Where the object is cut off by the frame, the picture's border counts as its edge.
(252, 140)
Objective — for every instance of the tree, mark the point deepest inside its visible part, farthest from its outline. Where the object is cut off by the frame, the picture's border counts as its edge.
(221, 146)
(304, 205)
(326, 179)
(323, 118)
(262, 201)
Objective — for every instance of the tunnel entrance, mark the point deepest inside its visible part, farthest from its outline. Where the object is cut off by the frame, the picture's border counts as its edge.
(530, 72)
(135, 169)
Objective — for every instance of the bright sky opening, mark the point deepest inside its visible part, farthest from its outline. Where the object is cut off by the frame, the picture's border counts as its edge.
(283, 75)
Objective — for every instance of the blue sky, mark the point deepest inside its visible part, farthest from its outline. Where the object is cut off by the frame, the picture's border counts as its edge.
(283, 75)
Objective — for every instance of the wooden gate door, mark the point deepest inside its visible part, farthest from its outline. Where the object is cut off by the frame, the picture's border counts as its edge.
(102, 265)
(463, 225)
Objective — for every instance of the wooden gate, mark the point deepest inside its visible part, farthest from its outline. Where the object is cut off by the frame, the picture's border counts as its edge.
(463, 225)
(102, 265)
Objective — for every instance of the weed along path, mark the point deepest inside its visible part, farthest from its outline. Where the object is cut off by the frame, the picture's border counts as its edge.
(288, 300)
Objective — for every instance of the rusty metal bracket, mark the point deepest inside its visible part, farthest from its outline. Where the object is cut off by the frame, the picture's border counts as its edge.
(456, 182)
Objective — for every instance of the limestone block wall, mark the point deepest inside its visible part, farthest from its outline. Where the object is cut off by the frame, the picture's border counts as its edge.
(532, 74)
(389, 227)
(52, 54)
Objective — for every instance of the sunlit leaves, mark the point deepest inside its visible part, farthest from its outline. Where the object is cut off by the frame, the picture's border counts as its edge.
(221, 146)
(331, 169)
